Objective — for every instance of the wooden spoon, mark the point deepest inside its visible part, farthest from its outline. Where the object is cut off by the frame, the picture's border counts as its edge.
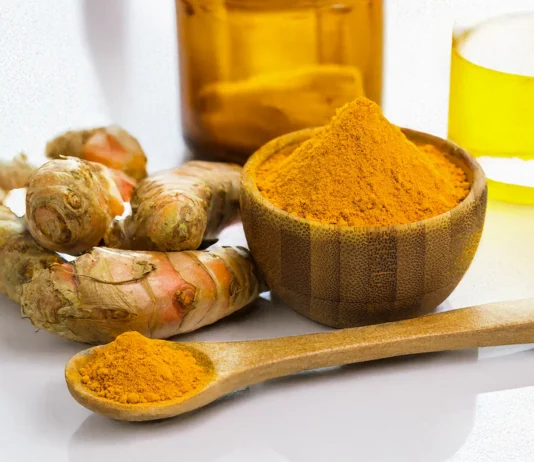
(239, 364)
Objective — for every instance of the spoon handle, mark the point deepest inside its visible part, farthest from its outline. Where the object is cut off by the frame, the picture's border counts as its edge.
(494, 324)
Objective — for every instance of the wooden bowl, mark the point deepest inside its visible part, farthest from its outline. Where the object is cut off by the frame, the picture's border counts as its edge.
(345, 276)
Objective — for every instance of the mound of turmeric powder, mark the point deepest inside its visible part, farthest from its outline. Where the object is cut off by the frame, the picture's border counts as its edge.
(134, 369)
(361, 170)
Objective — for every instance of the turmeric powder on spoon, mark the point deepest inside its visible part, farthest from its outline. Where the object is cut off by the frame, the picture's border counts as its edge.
(361, 170)
(136, 370)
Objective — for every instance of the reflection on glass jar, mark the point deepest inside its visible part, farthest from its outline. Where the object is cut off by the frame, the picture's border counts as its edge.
(252, 70)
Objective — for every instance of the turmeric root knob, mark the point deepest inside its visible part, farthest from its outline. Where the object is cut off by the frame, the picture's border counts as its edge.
(21, 258)
(70, 204)
(111, 146)
(14, 174)
(176, 209)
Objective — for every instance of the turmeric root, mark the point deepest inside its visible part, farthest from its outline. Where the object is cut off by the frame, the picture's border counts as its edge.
(124, 183)
(21, 258)
(111, 146)
(177, 209)
(10, 225)
(107, 292)
(70, 203)
(15, 174)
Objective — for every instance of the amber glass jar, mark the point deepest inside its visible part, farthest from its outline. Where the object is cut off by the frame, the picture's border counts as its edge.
(252, 70)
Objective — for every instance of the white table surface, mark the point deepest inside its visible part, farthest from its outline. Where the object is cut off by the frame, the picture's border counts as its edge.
(74, 63)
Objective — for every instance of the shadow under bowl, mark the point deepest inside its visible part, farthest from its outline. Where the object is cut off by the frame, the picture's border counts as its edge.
(346, 276)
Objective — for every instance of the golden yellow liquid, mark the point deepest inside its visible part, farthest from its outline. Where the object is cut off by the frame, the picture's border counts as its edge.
(491, 114)
(251, 70)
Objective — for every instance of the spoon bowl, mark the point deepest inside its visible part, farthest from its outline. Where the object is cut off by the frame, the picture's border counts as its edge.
(204, 353)
(234, 365)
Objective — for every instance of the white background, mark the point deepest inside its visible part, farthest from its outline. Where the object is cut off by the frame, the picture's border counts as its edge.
(74, 63)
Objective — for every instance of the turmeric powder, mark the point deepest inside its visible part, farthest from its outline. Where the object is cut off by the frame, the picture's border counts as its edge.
(360, 170)
(247, 113)
(135, 370)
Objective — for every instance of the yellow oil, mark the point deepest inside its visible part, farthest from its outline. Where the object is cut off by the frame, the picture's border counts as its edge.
(491, 107)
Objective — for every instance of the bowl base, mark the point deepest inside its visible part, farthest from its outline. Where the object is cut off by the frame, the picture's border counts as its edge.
(343, 314)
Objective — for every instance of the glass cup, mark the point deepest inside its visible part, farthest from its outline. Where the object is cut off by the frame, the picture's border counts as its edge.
(491, 105)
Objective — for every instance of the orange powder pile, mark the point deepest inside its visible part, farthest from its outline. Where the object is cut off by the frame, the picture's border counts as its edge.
(134, 369)
(361, 170)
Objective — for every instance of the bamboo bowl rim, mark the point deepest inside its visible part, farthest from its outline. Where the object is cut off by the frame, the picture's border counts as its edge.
(478, 183)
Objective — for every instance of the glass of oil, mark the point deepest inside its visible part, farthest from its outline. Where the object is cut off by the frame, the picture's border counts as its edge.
(491, 106)
(252, 70)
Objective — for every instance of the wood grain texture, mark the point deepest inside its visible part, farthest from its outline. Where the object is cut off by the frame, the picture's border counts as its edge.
(349, 276)
(235, 365)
